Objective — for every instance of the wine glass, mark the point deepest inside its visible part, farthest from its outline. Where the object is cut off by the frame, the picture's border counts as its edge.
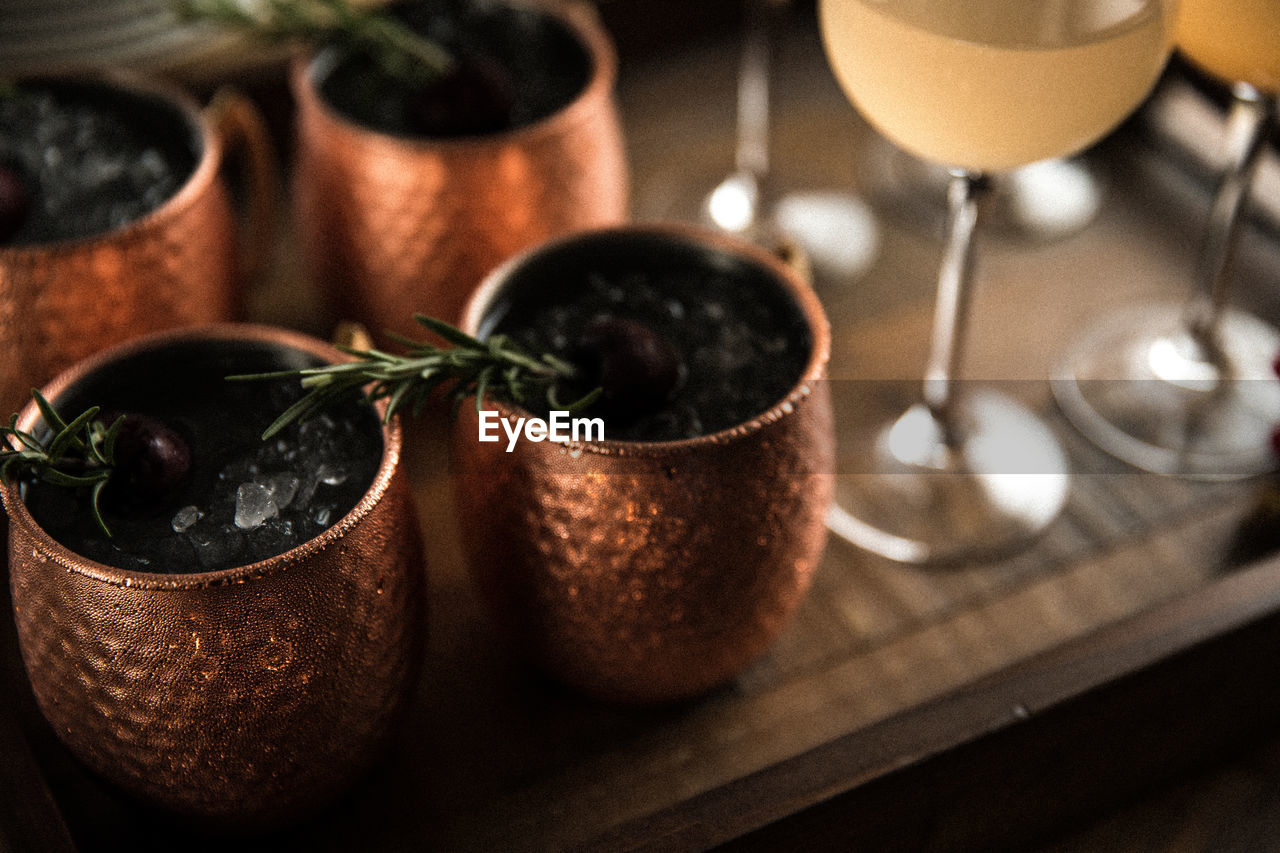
(836, 230)
(982, 86)
(1197, 395)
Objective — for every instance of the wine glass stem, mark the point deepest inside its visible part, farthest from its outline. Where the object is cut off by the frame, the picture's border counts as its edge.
(955, 289)
(1247, 126)
(752, 152)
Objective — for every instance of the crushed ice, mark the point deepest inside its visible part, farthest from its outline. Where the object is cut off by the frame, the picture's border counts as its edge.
(279, 497)
(184, 518)
(254, 506)
(93, 169)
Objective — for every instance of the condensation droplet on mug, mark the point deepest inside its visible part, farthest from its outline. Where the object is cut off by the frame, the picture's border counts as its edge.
(206, 668)
(277, 654)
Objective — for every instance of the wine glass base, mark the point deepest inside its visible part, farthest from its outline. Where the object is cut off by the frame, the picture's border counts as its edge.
(1051, 199)
(837, 232)
(912, 497)
(1140, 388)
(733, 205)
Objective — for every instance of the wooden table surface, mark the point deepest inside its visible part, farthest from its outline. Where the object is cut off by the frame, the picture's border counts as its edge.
(497, 758)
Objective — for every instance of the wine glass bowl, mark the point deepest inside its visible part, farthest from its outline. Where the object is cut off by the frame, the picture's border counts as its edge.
(1233, 41)
(977, 87)
(986, 87)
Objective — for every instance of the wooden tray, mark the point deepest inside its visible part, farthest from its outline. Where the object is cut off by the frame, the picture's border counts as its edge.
(905, 708)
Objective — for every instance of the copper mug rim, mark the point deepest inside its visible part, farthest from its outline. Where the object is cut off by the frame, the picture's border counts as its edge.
(208, 159)
(79, 564)
(789, 278)
(600, 83)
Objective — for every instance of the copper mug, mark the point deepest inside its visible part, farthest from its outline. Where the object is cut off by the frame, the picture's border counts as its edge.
(244, 697)
(393, 225)
(649, 572)
(176, 266)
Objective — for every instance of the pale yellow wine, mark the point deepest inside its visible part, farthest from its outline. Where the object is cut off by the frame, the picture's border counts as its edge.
(996, 84)
(1234, 39)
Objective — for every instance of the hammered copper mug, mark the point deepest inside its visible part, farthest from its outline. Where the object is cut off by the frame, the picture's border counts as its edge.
(393, 225)
(243, 697)
(648, 572)
(176, 266)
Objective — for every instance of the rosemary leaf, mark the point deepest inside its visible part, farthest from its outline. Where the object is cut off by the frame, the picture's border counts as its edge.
(51, 417)
(398, 50)
(69, 436)
(81, 453)
(95, 503)
(453, 335)
(497, 368)
(107, 454)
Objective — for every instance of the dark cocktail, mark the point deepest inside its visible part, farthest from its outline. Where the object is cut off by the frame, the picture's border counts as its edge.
(233, 499)
(722, 342)
(511, 66)
(78, 159)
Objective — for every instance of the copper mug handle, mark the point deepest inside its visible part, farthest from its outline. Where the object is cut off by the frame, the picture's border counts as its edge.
(241, 128)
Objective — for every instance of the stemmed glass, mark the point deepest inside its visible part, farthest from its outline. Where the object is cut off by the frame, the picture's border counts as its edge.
(981, 85)
(836, 229)
(1190, 390)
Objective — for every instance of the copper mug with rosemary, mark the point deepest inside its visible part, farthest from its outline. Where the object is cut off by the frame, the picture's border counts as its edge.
(437, 139)
(224, 627)
(659, 562)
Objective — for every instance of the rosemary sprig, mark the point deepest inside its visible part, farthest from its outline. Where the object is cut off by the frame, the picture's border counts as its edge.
(399, 51)
(81, 453)
(470, 367)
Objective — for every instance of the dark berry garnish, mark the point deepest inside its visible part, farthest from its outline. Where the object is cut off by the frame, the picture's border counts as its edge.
(1275, 364)
(636, 369)
(15, 203)
(152, 461)
(476, 97)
